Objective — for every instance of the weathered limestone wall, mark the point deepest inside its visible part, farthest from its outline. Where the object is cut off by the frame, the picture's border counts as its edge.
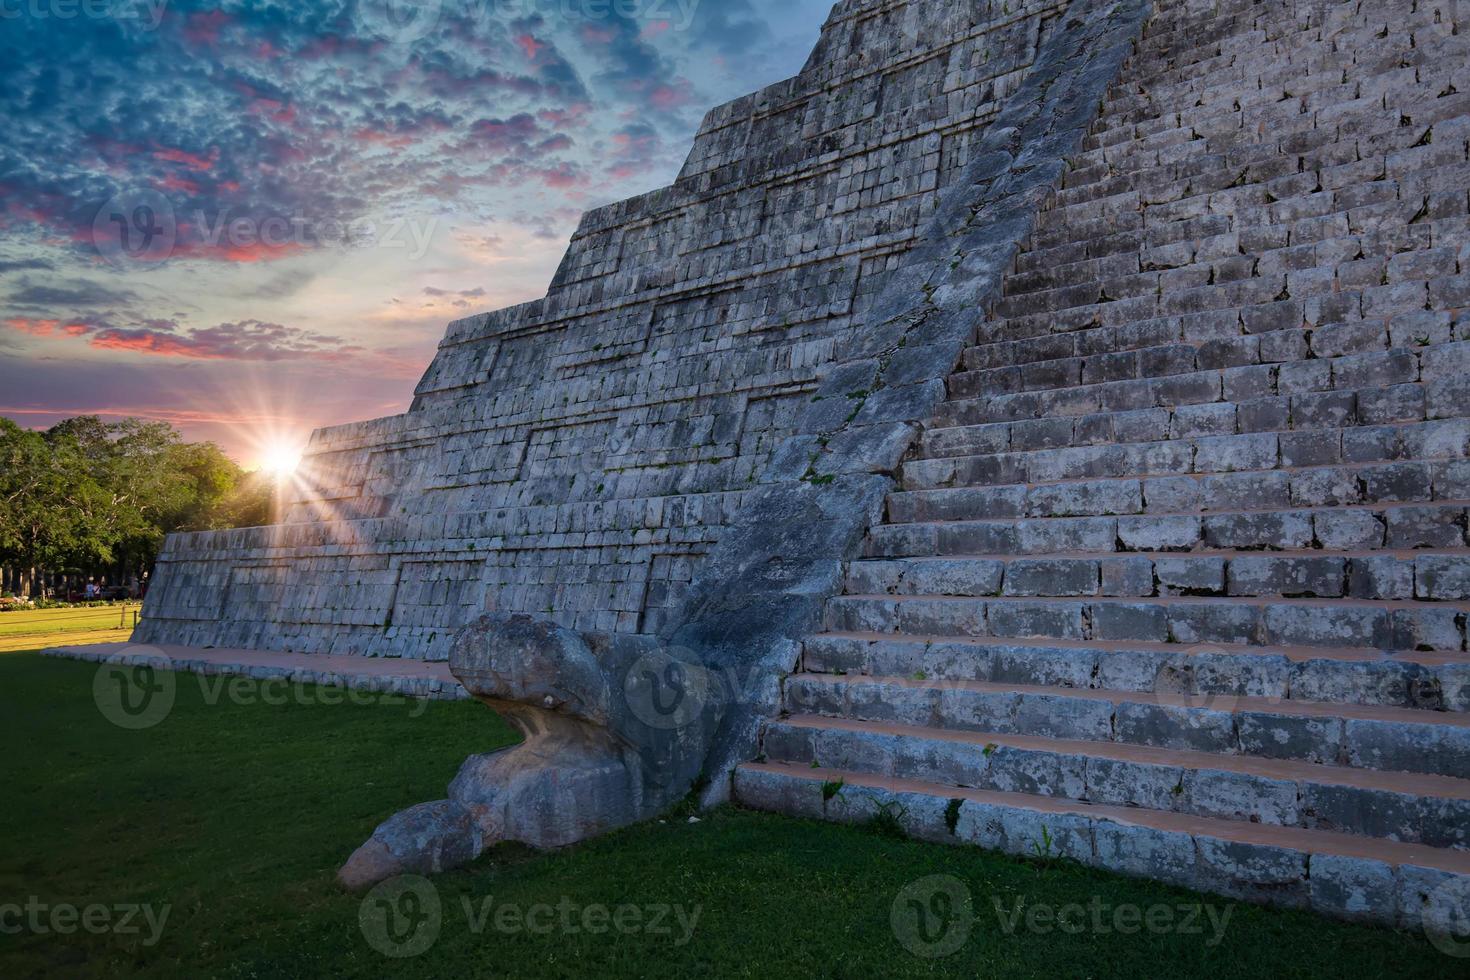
(1176, 581)
(576, 457)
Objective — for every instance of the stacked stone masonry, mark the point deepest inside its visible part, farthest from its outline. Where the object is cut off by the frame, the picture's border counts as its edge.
(1173, 577)
(1177, 579)
(575, 458)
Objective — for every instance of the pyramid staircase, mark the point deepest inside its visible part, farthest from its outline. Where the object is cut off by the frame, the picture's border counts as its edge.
(1176, 583)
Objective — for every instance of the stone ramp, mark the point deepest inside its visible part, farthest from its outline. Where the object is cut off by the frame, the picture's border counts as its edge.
(1176, 582)
(411, 678)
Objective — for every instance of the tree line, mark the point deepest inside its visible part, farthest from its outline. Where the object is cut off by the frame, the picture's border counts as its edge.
(93, 500)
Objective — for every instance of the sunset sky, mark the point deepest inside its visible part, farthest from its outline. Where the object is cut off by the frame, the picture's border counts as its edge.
(254, 219)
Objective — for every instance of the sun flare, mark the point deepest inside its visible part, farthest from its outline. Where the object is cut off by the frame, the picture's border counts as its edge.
(280, 459)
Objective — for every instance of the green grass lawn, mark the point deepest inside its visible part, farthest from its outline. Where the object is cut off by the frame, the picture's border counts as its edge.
(33, 629)
(235, 817)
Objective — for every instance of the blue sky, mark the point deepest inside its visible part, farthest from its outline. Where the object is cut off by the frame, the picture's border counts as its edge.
(251, 219)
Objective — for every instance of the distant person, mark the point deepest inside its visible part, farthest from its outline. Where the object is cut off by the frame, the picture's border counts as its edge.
(92, 591)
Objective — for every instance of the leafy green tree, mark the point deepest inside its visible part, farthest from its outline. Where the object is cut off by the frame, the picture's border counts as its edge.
(92, 495)
(252, 503)
(129, 483)
(39, 526)
(212, 482)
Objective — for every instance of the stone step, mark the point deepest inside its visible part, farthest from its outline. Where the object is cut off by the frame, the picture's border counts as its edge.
(1252, 339)
(1332, 411)
(1412, 808)
(1400, 528)
(1353, 623)
(1359, 736)
(1105, 344)
(1173, 377)
(1127, 115)
(1070, 267)
(1367, 465)
(1427, 681)
(1424, 575)
(1126, 175)
(1072, 283)
(1342, 875)
(1439, 487)
(1201, 169)
(1243, 291)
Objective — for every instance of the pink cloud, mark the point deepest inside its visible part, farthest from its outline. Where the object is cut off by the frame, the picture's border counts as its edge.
(247, 340)
(36, 328)
(671, 96)
(563, 175)
(204, 28)
(242, 254)
(190, 160)
(46, 328)
(274, 110)
(380, 138)
(573, 115)
(529, 45)
(173, 183)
